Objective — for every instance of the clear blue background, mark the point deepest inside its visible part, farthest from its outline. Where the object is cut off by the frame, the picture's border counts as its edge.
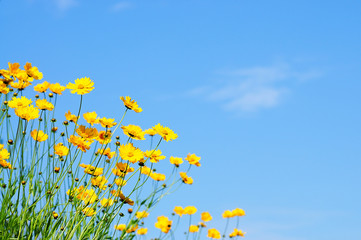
(266, 92)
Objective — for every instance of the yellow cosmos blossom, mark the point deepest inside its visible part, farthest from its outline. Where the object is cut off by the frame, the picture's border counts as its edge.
(80, 143)
(88, 211)
(19, 102)
(164, 224)
(236, 232)
(190, 210)
(89, 169)
(43, 104)
(120, 227)
(107, 122)
(131, 104)
(87, 133)
(61, 150)
(145, 170)
(71, 117)
(42, 87)
(106, 152)
(142, 231)
(120, 182)
(130, 153)
(28, 113)
(193, 228)
(33, 71)
(14, 68)
(214, 233)
(154, 155)
(141, 214)
(165, 132)
(104, 137)
(205, 216)
(134, 132)
(87, 195)
(39, 136)
(123, 198)
(3, 88)
(21, 85)
(100, 182)
(57, 88)
(55, 215)
(227, 214)
(237, 212)
(132, 229)
(4, 155)
(81, 86)
(185, 178)
(106, 202)
(123, 167)
(91, 118)
(5, 164)
(176, 161)
(193, 159)
(6, 76)
(150, 132)
(22, 76)
(76, 192)
(157, 176)
(178, 210)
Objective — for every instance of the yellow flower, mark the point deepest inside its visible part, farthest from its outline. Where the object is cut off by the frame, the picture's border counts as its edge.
(88, 211)
(4, 154)
(106, 152)
(19, 102)
(106, 202)
(164, 224)
(214, 233)
(107, 122)
(61, 150)
(124, 167)
(33, 71)
(238, 212)
(21, 85)
(80, 143)
(237, 232)
(6, 77)
(142, 231)
(202, 224)
(145, 170)
(157, 176)
(132, 229)
(5, 164)
(193, 159)
(43, 104)
(88, 196)
(179, 210)
(205, 216)
(185, 178)
(89, 169)
(99, 181)
(130, 153)
(91, 118)
(55, 215)
(14, 68)
(141, 214)
(190, 210)
(120, 227)
(28, 113)
(227, 214)
(165, 132)
(81, 86)
(120, 182)
(71, 117)
(150, 132)
(133, 131)
(42, 87)
(39, 136)
(118, 193)
(193, 228)
(131, 104)
(87, 133)
(3, 88)
(57, 88)
(154, 155)
(176, 161)
(104, 137)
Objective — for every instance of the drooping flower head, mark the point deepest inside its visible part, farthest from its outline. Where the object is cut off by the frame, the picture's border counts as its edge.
(131, 104)
(185, 178)
(39, 136)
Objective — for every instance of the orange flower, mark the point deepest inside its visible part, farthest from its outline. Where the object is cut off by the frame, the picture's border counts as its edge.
(205, 216)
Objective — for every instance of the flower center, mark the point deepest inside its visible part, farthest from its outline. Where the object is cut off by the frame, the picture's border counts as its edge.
(81, 86)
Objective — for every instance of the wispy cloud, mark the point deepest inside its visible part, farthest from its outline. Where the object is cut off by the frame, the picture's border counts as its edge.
(121, 6)
(65, 4)
(252, 89)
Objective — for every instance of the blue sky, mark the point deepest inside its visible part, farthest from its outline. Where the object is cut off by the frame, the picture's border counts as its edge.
(266, 92)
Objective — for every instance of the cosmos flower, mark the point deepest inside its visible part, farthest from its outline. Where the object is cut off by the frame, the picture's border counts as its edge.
(81, 86)
(131, 104)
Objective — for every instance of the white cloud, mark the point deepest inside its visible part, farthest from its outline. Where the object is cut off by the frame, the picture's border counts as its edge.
(121, 6)
(65, 4)
(252, 89)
